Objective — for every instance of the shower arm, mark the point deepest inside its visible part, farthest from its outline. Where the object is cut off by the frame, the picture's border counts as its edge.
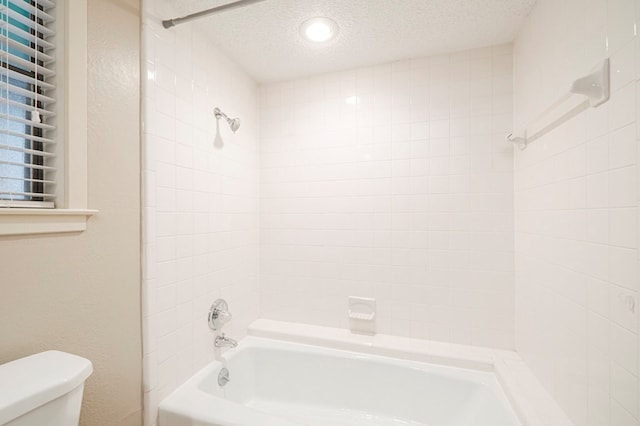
(234, 123)
(168, 23)
(219, 114)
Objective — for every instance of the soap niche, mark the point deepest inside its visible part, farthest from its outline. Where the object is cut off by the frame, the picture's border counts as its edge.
(362, 315)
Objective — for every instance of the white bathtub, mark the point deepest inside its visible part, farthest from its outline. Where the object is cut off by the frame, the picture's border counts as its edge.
(282, 383)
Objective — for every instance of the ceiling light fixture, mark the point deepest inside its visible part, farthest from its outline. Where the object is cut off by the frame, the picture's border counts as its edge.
(319, 29)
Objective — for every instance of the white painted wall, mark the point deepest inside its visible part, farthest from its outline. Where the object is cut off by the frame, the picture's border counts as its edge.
(392, 182)
(576, 214)
(80, 292)
(200, 210)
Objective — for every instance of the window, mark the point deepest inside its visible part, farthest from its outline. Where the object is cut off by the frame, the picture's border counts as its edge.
(27, 117)
(43, 102)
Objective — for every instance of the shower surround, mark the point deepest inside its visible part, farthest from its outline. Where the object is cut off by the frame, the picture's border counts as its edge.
(576, 197)
(395, 182)
(392, 182)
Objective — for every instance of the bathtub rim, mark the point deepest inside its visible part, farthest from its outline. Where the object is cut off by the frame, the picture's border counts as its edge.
(532, 404)
(530, 401)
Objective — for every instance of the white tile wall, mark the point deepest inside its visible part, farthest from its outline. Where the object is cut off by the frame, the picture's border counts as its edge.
(395, 182)
(576, 215)
(200, 221)
(392, 182)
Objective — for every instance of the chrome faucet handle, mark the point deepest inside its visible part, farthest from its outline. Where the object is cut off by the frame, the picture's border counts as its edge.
(219, 314)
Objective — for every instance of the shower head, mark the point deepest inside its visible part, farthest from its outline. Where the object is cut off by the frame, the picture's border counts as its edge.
(234, 123)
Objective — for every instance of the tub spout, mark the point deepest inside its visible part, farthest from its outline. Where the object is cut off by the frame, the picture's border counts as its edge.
(223, 341)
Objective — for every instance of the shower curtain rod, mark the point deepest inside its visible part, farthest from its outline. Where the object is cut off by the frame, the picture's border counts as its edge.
(176, 21)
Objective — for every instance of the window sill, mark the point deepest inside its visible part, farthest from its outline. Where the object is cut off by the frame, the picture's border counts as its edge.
(43, 221)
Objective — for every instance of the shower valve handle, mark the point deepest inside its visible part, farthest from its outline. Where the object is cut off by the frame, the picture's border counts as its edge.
(219, 314)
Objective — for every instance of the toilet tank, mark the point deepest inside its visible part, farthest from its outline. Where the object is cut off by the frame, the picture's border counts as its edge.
(43, 389)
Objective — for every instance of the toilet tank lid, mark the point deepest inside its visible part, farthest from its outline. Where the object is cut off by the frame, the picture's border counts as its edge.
(32, 381)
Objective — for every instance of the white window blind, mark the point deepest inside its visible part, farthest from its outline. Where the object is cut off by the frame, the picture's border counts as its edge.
(27, 98)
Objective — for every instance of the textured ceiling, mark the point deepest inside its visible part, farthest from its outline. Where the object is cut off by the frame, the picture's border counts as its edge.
(264, 39)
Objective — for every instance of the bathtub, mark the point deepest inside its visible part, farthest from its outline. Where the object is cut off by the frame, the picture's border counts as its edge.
(275, 382)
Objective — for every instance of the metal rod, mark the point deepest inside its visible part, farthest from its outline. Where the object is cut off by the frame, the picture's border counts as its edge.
(176, 21)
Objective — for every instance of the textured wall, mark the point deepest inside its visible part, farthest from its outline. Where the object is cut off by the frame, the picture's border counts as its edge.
(577, 212)
(81, 292)
(200, 201)
(392, 182)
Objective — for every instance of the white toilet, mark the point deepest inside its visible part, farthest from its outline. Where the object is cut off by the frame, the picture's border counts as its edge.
(43, 389)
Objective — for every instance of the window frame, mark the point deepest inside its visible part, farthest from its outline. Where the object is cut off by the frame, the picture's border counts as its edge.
(71, 212)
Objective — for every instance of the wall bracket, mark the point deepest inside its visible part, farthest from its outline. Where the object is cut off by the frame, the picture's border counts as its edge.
(594, 86)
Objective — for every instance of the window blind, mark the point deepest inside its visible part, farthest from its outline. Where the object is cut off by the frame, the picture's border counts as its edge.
(27, 98)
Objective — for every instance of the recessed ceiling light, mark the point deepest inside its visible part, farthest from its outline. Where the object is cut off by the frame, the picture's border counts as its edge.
(319, 29)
